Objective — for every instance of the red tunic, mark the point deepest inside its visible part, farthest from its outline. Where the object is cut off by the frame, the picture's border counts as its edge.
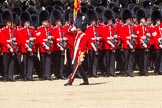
(125, 35)
(141, 32)
(24, 33)
(80, 44)
(42, 34)
(6, 35)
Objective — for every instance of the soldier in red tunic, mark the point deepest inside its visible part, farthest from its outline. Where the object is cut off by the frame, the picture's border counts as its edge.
(110, 41)
(9, 45)
(80, 44)
(45, 40)
(143, 42)
(60, 43)
(27, 41)
(156, 32)
(128, 39)
(92, 34)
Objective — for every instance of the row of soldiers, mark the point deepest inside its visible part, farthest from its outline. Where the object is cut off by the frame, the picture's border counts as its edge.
(98, 38)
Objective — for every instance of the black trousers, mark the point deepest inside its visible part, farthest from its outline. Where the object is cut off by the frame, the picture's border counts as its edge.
(18, 64)
(45, 60)
(79, 69)
(37, 65)
(152, 58)
(68, 66)
(143, 56)
(158, 61)
(101, 61)
(28, 65)
(128, 61)
(110, 62)
(58, 64)
(8, 64)
(92, 62)
(119, 61)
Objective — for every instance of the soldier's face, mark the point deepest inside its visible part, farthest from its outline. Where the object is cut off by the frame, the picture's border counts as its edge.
(143, 21)
(93, 22)
(58, 23)
(26, 23)
(45, 23)
(128, 21)
(110, 22)
(158, 22)
(9, 23)
(99, 21)
(134, 20)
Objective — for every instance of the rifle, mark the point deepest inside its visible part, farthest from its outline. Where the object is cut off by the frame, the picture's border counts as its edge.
(132, 38)
(13, 41)
(146, 40)
(113, 38)
(30, 42)
(63, 43)
(49, 40)
(97, 38)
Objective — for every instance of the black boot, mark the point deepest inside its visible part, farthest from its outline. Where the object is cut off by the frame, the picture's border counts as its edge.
(68, 84)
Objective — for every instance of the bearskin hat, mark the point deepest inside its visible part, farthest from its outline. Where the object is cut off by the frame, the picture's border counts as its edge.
(126, 14)
(55, 16)
(49, 9)
(91, 16)
(155, 15)
(17, 11)
(90, 7)
(84, 9)
(134, 10)
(140, 14)
(16, 19)
(68, 15)
(32, 10)
(34, 20)
(148, 11)
(7, 16)
(108, 15)
(43, 15)
(100, 12)
(117, 11)
(111, 5)
(147, 3)
(155, 8)
(59, 8)
(81, 21)
(131, 6)
(1, 21)
(25, 16)
(1, 10)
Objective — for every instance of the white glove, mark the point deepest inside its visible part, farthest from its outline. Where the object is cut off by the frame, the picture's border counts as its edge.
(144, 45)
(50, 37)
(31, 39)
(14, 39)
(62, 49)
(160, 46)
(65, 38)
(148, 34)
(29, 49)
(73, 29)
(10, 48)
(131, 47)
(112, 45)
(46, 47)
